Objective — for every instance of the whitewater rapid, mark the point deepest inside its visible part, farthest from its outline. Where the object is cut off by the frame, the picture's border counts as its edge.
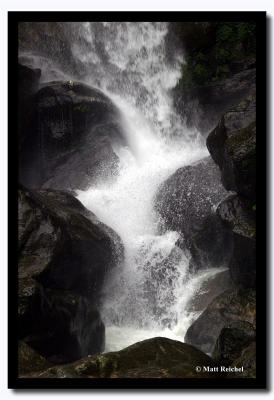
(148, 294)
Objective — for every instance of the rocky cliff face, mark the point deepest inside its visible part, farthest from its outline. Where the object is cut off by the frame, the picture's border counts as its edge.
(232, 145)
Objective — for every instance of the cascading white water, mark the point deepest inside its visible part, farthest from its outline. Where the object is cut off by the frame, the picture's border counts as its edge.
(149, 295)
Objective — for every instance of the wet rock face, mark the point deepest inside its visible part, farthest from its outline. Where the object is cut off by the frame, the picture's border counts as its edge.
(186, 202)
(74, 127)
(64, 256)
(230, 306)
(239, 218)
(153, 358)
(210, 288)
(232, 145)
(204, 106)
(232, 340)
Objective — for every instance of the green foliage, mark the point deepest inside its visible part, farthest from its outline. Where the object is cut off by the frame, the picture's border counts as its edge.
(201, 73)
(222, 72)
(223, 55)
(225, 33)
(213, 49)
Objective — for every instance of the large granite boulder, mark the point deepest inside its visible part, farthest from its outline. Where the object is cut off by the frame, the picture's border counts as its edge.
(70, 143)
(65, 254)
(239, 219)
(230, 306)
(232, 145)
(186, 202)
(153, 358)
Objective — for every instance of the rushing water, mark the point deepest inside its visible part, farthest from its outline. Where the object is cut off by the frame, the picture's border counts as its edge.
(149, 295)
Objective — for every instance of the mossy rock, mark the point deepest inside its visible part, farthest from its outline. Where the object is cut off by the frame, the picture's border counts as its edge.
(29, 360)
(153, 358)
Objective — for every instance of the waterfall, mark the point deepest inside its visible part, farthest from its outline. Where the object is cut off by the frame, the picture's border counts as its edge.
(149, 295)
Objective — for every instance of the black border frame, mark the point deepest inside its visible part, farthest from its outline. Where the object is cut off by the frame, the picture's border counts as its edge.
(260, 382)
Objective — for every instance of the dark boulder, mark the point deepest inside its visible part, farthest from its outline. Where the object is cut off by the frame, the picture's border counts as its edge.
(65, 254)
(239, 219)
(233, 339)
(247, 361)
(70, 143)
(232, 145)
(63, 245)
(153, 358)
(29, 361)
(65, 326)
(230, 306)
(186, 202)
